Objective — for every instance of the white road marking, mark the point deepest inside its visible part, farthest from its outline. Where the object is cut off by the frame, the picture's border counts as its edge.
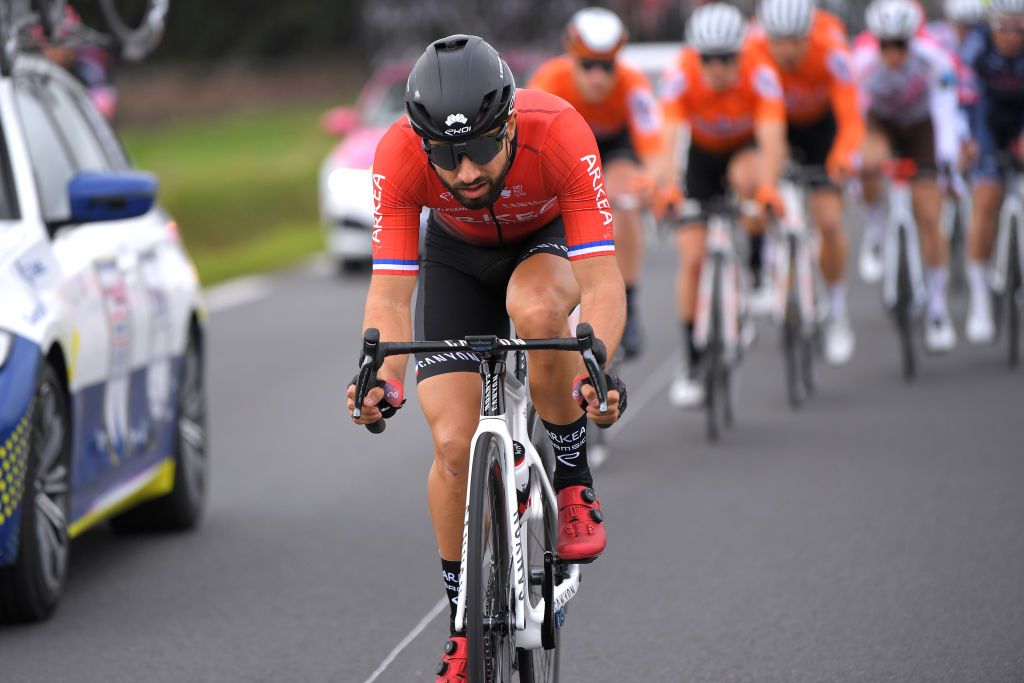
(441, 605)
(234, 293)
(651, 387)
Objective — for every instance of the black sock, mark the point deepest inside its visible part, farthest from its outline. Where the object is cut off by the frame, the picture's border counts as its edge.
(756, 256)
(570, 444)
(450, 570)
(692, 354)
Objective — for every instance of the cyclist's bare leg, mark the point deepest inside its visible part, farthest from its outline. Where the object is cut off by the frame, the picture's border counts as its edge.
(987, 197)
(826, 205)
(451, 404)
(690, 240)
(927, 200)
(875, 153)
(541, 293)
(629, 236)
(744, 178)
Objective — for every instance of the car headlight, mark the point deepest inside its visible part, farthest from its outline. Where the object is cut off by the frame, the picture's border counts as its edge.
(345, 182)
(6, 340)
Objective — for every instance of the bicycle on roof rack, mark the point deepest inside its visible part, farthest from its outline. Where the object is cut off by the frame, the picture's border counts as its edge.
(132, 28)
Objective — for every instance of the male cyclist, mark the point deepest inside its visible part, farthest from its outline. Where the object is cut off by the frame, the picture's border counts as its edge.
(520, 227)
(617, 102)
(808, 48)
(961, 16)
(909, 87)
(731, 100)
(994, 54)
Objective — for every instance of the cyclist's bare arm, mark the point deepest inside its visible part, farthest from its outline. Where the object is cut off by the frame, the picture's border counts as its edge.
(603, 305)
(771, 143)
(388, 308)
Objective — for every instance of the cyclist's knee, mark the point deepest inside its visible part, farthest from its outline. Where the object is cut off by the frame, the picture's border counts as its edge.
(541, 313)
(451, 451)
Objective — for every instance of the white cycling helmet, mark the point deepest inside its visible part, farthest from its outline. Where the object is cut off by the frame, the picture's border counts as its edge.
(786, 18)
(1013, 8)
(964, 11)
(594, 33)
(716, 29)
(893, 19)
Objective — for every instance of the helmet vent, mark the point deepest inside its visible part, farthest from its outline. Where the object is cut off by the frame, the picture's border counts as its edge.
(453, 43)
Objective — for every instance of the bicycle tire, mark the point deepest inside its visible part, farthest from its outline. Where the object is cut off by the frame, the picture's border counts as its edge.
(1013, 294)
(135, 42)
(904, 303)
(791, 332)
(488, 588)
(8, 39)
(713, 352)
(957, 247)
(540, 666)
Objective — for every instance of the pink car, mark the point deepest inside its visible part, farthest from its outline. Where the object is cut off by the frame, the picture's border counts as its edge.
(346, 196)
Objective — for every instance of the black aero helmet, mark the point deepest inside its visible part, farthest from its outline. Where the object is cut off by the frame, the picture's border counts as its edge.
(458, 89)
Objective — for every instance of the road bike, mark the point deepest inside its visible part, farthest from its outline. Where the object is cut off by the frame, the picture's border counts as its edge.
(133, 28)
(903, 288)
(955, 217)
(513, 589)
(722, 315)
(791, 247)
(1008, 259)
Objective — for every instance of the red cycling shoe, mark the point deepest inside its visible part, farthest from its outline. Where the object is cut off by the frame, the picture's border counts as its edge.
(581, 535)
(452, 668)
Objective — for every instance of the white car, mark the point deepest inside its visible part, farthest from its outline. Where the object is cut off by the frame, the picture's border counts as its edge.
(102, 405)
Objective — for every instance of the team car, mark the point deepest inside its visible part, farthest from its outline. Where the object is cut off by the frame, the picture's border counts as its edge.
(102, 401)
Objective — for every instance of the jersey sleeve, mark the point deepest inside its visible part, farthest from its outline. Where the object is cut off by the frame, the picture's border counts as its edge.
(844, 96)
(572, 171)
(397, 188)
(646, 123)
(942, 103)
(674, 85)
(771, 106)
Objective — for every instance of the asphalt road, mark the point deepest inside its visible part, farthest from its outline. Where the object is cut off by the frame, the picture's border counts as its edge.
(876, 535)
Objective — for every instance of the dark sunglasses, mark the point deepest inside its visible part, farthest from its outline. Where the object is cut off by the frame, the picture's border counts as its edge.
(480, 150)
(605, 65)
(727, 58)
(900, 45)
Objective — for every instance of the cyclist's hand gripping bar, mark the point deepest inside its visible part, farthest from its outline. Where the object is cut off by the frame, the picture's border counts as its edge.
(369, 361)
(594, 355)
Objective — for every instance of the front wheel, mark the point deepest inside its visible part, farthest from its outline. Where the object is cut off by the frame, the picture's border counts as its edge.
(1014, 292)
(539, 666)
(490, 627)
(904, 306)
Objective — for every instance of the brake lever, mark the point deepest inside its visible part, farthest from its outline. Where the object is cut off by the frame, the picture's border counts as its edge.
(367, 378)
(585, 337)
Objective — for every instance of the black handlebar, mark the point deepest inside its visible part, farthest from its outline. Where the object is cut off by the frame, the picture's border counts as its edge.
(374, 352)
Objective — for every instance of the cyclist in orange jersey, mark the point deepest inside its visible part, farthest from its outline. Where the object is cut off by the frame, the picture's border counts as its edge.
(731, 101)
(618, 103)
(825, 129)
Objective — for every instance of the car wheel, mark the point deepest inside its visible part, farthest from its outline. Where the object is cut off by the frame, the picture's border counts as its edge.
(31, 587)
(183, 506)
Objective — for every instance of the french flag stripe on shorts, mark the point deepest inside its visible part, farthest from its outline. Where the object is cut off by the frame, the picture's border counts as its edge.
(592, 249)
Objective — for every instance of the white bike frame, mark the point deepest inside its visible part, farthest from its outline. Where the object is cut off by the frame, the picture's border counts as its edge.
(506, 429)
(793, 224)
(720, 246)
(901, 218)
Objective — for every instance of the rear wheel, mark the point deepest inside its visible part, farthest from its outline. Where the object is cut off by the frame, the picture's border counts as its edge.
(182, 508)
(1014, 293)
(490, 630)
(539, 666)
(30, 589)
(904, 305)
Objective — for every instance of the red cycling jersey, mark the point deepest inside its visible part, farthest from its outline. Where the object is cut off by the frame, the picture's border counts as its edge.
(557, 171)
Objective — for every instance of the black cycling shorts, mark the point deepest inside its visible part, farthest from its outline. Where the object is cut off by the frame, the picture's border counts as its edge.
(462, 291)
(619, 146)
(707, 175)
(916, 142)
(810, 144)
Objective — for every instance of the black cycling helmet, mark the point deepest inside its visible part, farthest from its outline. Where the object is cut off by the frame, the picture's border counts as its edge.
(459, 88)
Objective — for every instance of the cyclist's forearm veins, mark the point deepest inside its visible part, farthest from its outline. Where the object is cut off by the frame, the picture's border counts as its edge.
(603, 299)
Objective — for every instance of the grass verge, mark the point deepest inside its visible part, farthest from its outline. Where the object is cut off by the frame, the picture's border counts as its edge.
(241, 187)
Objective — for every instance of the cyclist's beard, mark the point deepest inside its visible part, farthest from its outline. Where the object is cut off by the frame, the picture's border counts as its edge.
(495, 186)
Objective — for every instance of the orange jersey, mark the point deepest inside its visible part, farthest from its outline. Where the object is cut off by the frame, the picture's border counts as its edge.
(720, 121)
(630, 105)
(822, 81)
(556, 172)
